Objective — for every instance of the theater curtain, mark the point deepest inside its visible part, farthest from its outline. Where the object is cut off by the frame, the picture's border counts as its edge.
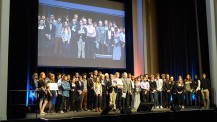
(179, 36)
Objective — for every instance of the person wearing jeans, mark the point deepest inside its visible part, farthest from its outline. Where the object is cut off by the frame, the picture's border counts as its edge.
(159, 83)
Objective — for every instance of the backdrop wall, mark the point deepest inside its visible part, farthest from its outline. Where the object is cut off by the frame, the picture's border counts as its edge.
(4, 34)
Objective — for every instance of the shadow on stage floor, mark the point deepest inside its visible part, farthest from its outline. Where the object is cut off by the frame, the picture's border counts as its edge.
(154, 115)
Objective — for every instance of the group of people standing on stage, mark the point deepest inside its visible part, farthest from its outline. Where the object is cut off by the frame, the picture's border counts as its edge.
(96, 91)
(79, 38)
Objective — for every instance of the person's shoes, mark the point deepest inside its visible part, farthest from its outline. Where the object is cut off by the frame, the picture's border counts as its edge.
(43, 113)
(161, 106)
(61, 112)
(97, 110)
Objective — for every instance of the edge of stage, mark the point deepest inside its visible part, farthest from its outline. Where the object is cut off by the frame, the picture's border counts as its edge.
(153, 115)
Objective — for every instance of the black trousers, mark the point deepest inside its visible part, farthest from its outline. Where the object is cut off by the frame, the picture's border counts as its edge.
(73, 100)
(119, 99)
(145, 97)
(98, 101)
(64, 99)
(78, 103)
(126, 101)
(58, 102)
(90, 99)
(104, 103)
(180, 98)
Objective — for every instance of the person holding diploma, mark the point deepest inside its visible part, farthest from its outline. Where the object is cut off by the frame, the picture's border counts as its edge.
(52, 100)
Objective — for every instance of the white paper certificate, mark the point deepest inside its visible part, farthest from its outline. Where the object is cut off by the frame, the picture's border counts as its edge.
(53, 86)
(124, 95)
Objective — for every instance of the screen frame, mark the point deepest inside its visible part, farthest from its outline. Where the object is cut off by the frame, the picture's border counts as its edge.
(129, 62)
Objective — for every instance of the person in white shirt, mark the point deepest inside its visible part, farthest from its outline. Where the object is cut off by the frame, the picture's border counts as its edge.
(119, 90)
(145, 87)
(90, 41)
(59, 95)
(159, 83)
(137, 92)
(133, 90)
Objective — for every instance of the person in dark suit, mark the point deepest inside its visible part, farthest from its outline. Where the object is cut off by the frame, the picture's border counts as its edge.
(197, 90)
(205, 91)
(79, 88)
(109, 40)
(74, 38)
(50, 34)
(90, 91)
(104, 90)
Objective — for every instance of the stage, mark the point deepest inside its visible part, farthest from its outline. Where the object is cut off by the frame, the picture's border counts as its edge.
(153, 115)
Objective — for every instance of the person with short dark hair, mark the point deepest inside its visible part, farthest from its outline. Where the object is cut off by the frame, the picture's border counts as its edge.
(197, 90)
(168, 86)
(159, 83)
(90, 82)
(112, 90)
(80, 89)
(188, 90)
(85, 92)
(153, 91)
(205, 89)
(65, 93)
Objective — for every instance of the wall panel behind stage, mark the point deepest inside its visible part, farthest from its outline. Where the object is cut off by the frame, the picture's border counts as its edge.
(145, 37)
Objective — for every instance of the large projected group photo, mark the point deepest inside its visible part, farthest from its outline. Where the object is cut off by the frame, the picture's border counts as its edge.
(71, 34)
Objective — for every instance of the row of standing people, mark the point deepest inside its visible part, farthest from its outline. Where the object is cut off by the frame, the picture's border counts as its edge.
(99, 91)
(80, 39)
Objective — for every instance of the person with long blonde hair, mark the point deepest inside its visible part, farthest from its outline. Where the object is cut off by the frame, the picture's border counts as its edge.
(98, 92)
(188, 90)
(53, 94)
(180, 88)
(43, 93)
